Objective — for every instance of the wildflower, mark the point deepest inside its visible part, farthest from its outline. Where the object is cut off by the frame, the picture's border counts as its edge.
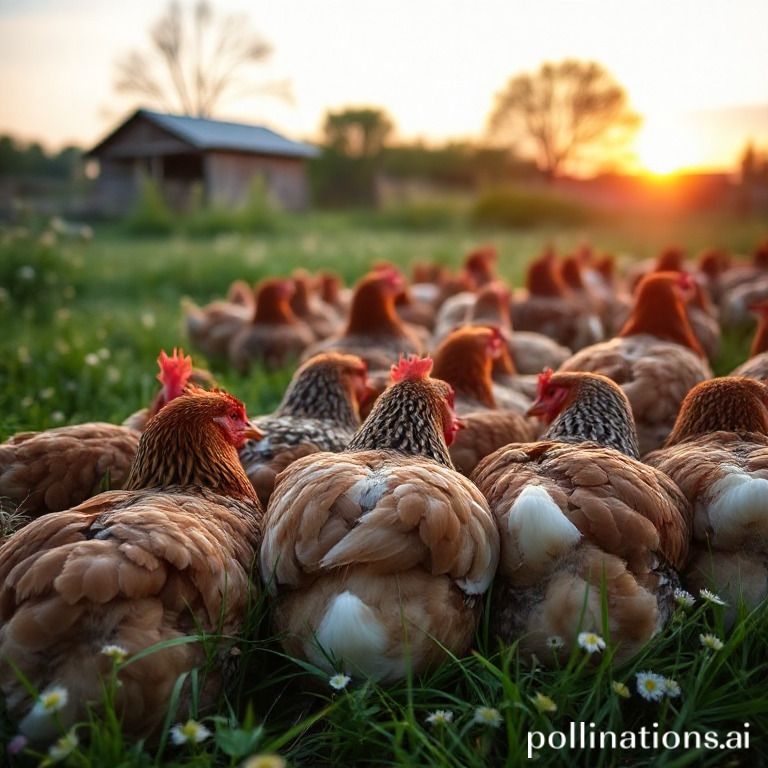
(487, 716)
(543, 703)
(64, 746)
(620, 689)
(113, 374)
(47, 393)
(51, 700)
(190, 732)
(671, 688)
(148, 320)
(57, 417)
(23, 354)
(117, 653)
(555, 642)
(27, 402)
(264, 761)
(440, 717)
(17, 744)
(684, 599)
(26, 273)
(339, 682)
(591, 642)
(92, 359)
(650, 686)
(712, 642)
(711, 597)
(103, 353)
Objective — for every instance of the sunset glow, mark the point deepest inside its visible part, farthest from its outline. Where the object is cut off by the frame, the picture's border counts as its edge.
(665, 145)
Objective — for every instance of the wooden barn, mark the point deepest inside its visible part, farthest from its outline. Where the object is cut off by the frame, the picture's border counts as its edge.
(186, 153)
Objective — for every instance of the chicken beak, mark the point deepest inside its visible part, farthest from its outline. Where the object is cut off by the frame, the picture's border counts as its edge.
(252, 433)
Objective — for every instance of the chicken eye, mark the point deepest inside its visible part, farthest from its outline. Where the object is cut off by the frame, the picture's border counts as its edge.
(233, 415)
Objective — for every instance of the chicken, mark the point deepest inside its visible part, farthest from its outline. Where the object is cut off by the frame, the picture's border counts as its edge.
(465, 360)
(211, 328)
(718, 455)
(334, 294)
(703, 317)
(48, 471)
(320, 411)
(531, 352)
(239, 292)
(547, 307)
(373, 332)
(169, 556)
(655, 358)
(757, 365)
(379, 555)
(583, 525)
(275, 335)
(322, 319)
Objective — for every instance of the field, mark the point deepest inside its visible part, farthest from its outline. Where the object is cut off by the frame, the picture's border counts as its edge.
(82, 325)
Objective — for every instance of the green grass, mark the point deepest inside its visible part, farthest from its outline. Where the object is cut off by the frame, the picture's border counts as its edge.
(80, 334)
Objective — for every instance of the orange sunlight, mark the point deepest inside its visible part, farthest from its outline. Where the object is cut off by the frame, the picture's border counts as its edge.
(668, 144)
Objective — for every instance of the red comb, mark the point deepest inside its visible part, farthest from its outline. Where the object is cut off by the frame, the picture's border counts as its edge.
(685, 281)
(174, 372)
(414, 368)
(544, 378)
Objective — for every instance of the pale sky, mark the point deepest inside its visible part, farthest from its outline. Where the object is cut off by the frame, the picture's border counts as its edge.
(697, 70)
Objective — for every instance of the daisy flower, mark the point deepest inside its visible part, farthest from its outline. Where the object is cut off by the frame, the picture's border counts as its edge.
(64, 746)
(190, 732)
(684, 599)
(555, 642)
(543, 703)
(264, 761)
(440, 717)
(487, 716)
(713, 642)
(620, 689)
(650, 686)
(51, 700)
(117, 653)
(339, 682)
(671, 688)
(591, 642)
(711, 597)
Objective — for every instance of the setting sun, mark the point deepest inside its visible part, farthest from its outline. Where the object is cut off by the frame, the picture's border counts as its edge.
(667, 145)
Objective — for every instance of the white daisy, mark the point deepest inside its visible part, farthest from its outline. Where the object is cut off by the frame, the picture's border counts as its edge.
(92, 359)
(51, 700)
(440, 717)
(190, 732)
(650, 686)
(339, 682)
(487, 716)
(543, 703)
(264, 761)
(64, 746)
(684, 599)
(591, 642)
(620, 689)
(671, 688)
(711, 597)
(713, 642)
(117, 653)
(555, 642)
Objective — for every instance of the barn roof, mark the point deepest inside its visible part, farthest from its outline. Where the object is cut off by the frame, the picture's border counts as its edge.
(206, 134)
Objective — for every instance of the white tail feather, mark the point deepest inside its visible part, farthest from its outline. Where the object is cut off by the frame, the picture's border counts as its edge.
(738, 507)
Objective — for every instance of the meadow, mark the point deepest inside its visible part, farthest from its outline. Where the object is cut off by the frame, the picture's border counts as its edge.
(82, 322)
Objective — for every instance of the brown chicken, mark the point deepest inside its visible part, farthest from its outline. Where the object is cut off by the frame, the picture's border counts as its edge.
(168, 557)
(582, 521)
(322, 319)
(379, 555)
(48, 471)
(656, 358)
(465, 361)
(374, 332)
(718, 456)
(320, 411)
(274, 336)
(757, 365)
(211, 328)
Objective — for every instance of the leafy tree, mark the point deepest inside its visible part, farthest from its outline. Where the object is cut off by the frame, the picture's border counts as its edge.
(563, 112)
(193, 64)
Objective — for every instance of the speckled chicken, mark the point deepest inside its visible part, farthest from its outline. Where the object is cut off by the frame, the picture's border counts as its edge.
(379, 555)
(656, 358)
(581, 520)
(465, 361)
(320, 411)
(169, 556)
(56, 469)
(274, 336)
(718, 455)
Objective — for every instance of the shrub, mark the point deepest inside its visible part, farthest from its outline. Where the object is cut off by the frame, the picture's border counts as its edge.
(150, 215)
(514, 207)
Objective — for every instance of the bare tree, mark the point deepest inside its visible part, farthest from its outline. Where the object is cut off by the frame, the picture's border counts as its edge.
(192, 64)
(562, 112)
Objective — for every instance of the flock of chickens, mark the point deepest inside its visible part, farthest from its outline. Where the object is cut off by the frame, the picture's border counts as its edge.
(584, 463)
